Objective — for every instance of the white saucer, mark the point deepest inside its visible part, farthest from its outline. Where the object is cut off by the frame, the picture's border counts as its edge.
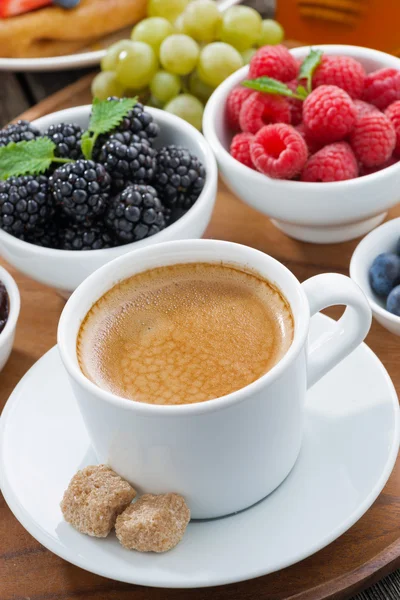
(350, 447)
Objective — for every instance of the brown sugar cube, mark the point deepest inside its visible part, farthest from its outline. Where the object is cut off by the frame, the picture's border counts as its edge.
(153, 523)
(94, 498)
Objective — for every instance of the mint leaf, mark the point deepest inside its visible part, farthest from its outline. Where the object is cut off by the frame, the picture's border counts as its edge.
(87, 144)
(23, 158)
(269, 85)
(107, 114)
(301, 91)
(308, 66)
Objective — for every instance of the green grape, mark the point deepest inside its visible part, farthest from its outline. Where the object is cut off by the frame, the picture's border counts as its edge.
(142, 94)
(152, 31)
(240, 27)
(198, 88)
(179, 54)
(188, 108)
(169, 9)
(179, 24)
(201, 20)
(110, 60)
(137, 65)
(105, 84)
(248, 54)
(271, 33)
(154, 102)
(164, 86)
(217, 61)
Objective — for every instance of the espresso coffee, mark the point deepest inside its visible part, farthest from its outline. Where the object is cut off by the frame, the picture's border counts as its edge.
(184, 333)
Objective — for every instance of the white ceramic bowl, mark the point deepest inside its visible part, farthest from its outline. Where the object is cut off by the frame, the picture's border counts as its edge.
(312, 212)
(8, 333)
(66, 269)
(382, 239)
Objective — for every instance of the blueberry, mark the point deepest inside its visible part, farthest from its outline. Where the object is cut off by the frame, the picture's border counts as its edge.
(67, 3)
(384, 273)
(393, 301)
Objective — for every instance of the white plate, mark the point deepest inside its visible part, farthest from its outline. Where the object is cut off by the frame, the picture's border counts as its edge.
(350, 447)
(79, 60)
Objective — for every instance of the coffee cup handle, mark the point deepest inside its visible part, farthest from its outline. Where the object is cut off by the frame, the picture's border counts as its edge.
(350, 330)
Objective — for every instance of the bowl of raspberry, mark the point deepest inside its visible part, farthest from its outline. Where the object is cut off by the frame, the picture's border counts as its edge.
(311, 138)
(9, 312)
(375, 267)
(85, 185)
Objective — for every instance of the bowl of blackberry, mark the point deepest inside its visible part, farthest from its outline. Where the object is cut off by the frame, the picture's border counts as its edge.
(9, 313)
(85, 185)
(375, 267)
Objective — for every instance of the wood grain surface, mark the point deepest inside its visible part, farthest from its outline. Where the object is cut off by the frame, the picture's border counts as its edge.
(368, 551)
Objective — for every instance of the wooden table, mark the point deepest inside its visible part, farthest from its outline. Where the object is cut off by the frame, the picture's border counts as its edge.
(367, 552)
(363, 555)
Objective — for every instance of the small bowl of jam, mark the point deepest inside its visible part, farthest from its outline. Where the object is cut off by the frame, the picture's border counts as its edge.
(9, 312)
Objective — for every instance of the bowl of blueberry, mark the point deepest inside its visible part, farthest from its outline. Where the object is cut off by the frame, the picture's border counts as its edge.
(311, 138)
(85, 185)
(375, 267)
(9, 313)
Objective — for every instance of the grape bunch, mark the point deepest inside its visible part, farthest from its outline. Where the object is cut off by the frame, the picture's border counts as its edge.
(179, 54)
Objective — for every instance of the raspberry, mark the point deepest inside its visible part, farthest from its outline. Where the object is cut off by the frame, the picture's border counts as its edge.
(393, 114)
(329, 114)
(370, 170)
(233, 105)
(240, 148)
(312, 145)
(342, 71)
(363, 107)
(261, 109)
(373, 139)
(273, 61)
(382, 87)
(279, 151)
(296, 106)
(335, 162)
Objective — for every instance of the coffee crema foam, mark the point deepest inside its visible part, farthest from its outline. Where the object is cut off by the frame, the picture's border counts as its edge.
(184, 333)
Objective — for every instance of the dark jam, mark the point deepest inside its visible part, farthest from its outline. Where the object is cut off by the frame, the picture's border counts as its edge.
(4, 306)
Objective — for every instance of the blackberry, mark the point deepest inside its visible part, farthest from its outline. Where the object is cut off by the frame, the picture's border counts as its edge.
(135, 213)
(124, 137)
(81, 190)
(48, 235)
(25, 203)
(4, 306)
(94, 237)
(138, 122)
(67, 138)
(18, 132)
(128, 138)
(135, 163)
(180, 177)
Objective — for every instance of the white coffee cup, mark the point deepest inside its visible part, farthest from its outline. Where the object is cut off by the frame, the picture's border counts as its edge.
(226, 454)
